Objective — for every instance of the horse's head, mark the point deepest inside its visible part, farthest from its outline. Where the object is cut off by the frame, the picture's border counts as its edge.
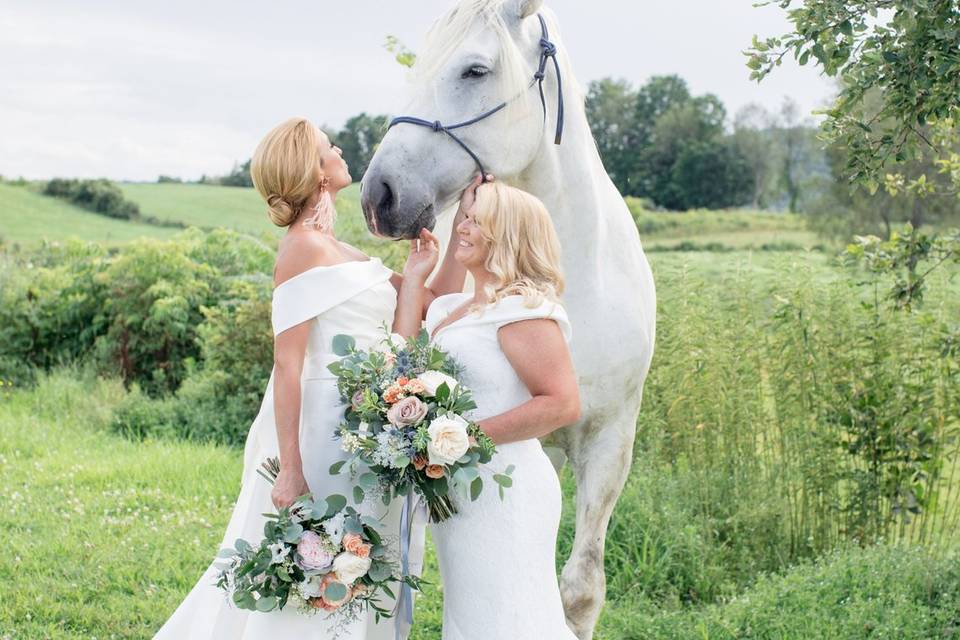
(481, 54)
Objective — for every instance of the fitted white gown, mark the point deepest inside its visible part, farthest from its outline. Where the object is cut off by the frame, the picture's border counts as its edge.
(497, 558)
(354, 298)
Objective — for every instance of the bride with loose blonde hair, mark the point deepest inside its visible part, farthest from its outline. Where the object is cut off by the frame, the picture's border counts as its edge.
(524, 256)
(497, 556)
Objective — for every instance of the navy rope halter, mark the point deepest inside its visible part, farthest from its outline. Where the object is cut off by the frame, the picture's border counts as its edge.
(548, 51)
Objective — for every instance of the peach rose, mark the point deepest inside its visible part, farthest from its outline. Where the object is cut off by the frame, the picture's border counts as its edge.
(434, 471)
(392, 394)
(419, 462)
(351, 542)
(363, 551)
(402, 380)
(415, 387)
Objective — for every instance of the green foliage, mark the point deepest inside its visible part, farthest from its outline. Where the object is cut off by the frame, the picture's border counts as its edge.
(139, 521)
(358, 139)
(136, 311)
(909, 256)
(769, 381)
(239, 176)
(662, 143)
(404, 56)
(885, 592)
(904, 49)
(710, 174)
(100, 196)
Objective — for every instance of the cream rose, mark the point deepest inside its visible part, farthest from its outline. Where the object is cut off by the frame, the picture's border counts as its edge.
(405, 412)
(349, 567)
(448, 439)
(432, 380)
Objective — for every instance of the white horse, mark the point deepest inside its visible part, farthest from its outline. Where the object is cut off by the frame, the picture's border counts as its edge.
(482, 53)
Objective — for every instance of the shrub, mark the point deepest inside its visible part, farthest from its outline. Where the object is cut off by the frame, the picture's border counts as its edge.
(137, 310)
(100, 196)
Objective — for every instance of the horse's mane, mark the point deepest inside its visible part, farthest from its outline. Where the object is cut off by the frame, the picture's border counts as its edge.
(448, 33)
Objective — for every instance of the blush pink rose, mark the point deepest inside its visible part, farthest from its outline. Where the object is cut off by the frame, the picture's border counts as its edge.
(405, 412)
(434, 471)
(312, 554)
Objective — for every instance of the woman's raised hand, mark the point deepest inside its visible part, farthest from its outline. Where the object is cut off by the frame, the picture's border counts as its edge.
(469, 195)
(424, 254)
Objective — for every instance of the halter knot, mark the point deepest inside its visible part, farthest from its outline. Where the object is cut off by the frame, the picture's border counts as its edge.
(549, 49)
(437, 126)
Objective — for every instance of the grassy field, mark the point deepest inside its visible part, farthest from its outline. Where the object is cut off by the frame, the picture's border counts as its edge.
(105, 535)
(202, 205)
(28, 218)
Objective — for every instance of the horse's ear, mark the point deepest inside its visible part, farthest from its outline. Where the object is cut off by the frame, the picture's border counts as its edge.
(522, 8)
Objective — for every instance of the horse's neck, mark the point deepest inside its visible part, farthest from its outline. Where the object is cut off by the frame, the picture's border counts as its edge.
(570, 180)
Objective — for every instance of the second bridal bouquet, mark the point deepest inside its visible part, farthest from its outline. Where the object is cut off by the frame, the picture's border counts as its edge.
(405, 422)
(317, 555)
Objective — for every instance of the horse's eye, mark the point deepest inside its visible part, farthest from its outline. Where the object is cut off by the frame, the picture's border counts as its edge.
(475, 72)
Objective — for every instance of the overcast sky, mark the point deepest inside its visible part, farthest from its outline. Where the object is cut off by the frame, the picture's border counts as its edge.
(133, 89)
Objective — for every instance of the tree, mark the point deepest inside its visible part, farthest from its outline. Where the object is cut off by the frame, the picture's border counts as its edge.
(359, 139)
(753, 138)
(796, 141)
(610, 106)
(906, 50)
(239, 176)
(711, 174)
(690, 121)
(843, 211)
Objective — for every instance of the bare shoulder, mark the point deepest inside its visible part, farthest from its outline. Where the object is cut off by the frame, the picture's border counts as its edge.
(529, 333)
(352, 251)
(300, 252)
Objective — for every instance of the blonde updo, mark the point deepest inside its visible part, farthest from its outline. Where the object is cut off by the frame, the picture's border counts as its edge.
(285, 169)
(524, 251)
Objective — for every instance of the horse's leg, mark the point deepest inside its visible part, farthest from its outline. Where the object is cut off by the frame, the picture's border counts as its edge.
(600, 452)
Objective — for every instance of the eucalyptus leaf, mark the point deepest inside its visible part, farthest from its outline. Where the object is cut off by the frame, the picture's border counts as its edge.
(335, 591)
(343, 344)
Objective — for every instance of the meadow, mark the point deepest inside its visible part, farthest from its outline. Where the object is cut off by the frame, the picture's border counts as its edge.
(795, 472)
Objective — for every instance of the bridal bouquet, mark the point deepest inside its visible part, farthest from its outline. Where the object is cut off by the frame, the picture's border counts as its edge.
(318, 555)
(405, 423)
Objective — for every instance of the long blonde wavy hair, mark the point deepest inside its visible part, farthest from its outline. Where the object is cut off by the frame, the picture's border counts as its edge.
(285, 169)
(524, 251)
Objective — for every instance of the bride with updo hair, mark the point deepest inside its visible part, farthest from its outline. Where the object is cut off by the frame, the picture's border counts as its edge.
(322, 287)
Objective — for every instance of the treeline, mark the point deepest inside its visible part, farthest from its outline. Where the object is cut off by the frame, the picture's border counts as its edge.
(358, 139)
(675, 149)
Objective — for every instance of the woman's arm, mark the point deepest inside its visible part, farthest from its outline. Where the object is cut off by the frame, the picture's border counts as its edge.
(412, 296)
(538, 353)
(289, 350)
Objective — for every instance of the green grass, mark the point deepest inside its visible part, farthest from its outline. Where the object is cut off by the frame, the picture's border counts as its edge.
(202, 205)
(28, 218)
(104, 537)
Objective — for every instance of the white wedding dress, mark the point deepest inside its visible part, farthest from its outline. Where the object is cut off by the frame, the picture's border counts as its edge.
(497, 558)
(354, 298)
